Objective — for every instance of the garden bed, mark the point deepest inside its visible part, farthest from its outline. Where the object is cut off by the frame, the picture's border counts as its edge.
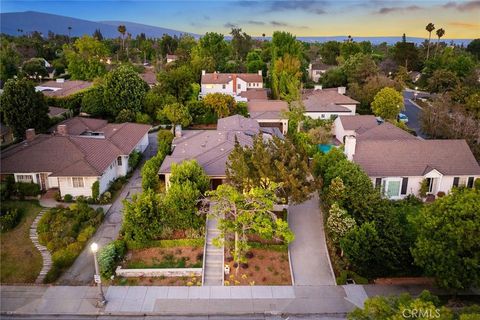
(177, 257)
(268, 266)
(160, 281)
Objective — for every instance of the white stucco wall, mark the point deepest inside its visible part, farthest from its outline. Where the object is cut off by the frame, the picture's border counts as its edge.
(143, 144)
(66, 186)
(218, 88)
(108, 176)
(339, 131)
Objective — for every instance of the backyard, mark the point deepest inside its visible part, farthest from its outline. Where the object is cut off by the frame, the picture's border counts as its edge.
(21, 262)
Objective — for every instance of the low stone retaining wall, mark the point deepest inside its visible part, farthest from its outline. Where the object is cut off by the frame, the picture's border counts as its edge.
(174, 272)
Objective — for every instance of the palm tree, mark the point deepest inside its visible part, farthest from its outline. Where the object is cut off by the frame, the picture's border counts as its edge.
(430, 27)
(440, 33)
(122, 29)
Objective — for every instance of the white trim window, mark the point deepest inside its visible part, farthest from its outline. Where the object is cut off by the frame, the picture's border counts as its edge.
(25, 178)
(119, 161)
(77, 182)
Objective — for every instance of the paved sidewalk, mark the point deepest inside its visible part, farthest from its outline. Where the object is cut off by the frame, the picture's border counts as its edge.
(308, 252)
(213, 267)
(81, 272)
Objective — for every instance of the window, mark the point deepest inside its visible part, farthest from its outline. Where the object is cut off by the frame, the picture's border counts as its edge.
(404, 186)
(456, 181)
(27, 178)
(393, 188)
(209, 86)
(239, 86)
(430, 184)
(119, 161)
(224, 86)
(77, 182)
(470, 182)
(378, 182)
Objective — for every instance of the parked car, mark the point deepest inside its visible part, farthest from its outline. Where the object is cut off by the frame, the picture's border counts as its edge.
(402, 117)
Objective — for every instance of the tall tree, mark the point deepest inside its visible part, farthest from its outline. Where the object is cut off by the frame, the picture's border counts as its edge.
(98, 35)
(122, 30)
(440, 33)
(177, 113)
(84, 58)
(430, 27)
(241, 43)
(22, 107)
(9, 60)
(387, 103)
(286, 78)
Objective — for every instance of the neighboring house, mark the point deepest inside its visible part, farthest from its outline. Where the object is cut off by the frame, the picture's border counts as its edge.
(414, 76)
(6, 135)
(269, 113)
(254, 94)
(317, 69)
(230, 83)
(57, 112)
(61, 88)
(171, 58)
(398, 162)
(149, 76)
(211, 148)
(80, 152)
(328, 103)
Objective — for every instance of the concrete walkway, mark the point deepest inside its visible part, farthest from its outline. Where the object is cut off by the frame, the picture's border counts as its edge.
(308, 252)
(81, 272)
(213, 267)
(46, 256)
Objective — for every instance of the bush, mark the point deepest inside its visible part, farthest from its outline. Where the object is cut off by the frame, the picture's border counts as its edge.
(27, 189)
(58, 196)
(196, 243)
(95, 189)
(63, 258)
(164, 139)
(86, 234)
(134, 159)
(106, 197)
(9, 219)
(68, 198)
(477, 183)
(109, 257)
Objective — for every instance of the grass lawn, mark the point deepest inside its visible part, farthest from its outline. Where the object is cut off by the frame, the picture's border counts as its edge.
(21, 262)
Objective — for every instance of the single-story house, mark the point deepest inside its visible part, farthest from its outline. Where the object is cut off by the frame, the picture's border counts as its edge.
(398, 162)
(211, 148)
(230, 83)
(269, 113)
(62, 88)
(317, 69)
(78, 153)
(328, 103)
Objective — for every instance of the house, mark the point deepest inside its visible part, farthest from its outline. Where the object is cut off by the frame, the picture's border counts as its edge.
(61, 88)
(171, 58)
(329, 103)
(269, 113)
(54, 112)
(230, 83)
(255, 94)
(211, 148)
(149, 76)
(414, 76)
(78, 153)
(317, 69)
(398, 162)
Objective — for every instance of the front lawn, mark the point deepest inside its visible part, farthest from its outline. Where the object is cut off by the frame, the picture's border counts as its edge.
(21, 262)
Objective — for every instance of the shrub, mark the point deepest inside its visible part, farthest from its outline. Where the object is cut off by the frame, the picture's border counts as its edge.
(63, 258)
(134, 159)
(106, 197)
(164, 139)
(109, 257)
(27, 189)
(95, 190)
(68, 198)
(477, 183)
(9, 219)
(86, 234)
(58, 196)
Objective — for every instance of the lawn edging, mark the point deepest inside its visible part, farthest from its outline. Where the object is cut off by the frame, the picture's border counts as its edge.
(158, 272)
(167, 243)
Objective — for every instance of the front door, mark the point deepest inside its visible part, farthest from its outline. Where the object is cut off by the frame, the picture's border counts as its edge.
(43, 181)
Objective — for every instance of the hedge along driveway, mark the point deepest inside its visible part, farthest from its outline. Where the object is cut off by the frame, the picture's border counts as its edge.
(82, 270)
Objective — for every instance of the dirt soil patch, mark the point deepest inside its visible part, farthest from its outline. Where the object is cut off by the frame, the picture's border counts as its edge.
(179, 257)
(266, 267)
(406, 281)
(158, 281)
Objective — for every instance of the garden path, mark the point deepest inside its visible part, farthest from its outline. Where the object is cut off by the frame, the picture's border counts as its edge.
(46, 256)
(213, 266)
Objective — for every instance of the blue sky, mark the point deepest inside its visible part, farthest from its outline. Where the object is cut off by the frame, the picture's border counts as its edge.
(461, 19)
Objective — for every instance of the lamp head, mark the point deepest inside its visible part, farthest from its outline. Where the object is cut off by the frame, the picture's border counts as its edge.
(94, 247)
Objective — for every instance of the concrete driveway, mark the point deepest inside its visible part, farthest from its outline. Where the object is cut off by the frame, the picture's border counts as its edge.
(308, 252)
(82, 270)
(413, 111)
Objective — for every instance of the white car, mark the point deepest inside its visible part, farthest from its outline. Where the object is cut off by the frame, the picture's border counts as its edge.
(402, 117)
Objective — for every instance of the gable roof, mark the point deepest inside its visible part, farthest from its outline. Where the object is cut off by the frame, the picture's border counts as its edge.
(55, 111)
(254, 94)
(224, 78)
(267, 109)
(415, 157)
(74, 154)
(211, 148)
(357, 122)
(385, 131)
(321, 66)
(326, 100)
(63, 89)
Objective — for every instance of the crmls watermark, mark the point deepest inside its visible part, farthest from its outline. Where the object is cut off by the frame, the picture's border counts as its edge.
(421, 313)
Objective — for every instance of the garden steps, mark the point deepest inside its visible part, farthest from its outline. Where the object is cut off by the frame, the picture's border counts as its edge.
(46, 256)
(213, 270)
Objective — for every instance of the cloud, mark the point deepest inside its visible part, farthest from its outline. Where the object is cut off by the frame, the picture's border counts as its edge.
(206, 17)
(465, 25)
(257, 23)
(386, 10)
(230, 25)
(284, 24)
(310, 6)
(465, 6)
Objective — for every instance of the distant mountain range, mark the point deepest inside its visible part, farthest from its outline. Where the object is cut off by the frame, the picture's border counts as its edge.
(29, 21)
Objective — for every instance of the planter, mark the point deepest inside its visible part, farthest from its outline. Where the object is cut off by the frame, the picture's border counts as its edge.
(157, 272)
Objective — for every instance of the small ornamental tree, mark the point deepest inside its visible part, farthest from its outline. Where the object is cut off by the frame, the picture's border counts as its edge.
(240, 214)
(96, 190)
(190, 171)
(176, 113)
(448, 242)
(387, 103)
(339, 223)
(222, 104)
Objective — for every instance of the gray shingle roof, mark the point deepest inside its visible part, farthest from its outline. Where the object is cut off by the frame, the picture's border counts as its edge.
(224, 78)
(358, 121)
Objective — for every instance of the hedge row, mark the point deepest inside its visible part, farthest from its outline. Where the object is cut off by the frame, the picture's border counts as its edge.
(272, 247)
(196, 243)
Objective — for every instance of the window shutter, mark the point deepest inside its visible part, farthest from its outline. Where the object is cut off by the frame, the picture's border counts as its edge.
(456, 180)
(378, 182)
(470, 182)
(404, 186)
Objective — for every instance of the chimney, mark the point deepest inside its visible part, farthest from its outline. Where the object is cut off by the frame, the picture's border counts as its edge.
(203, 72)
(235, 83)
(260, 72)
(342, 90)
(62, 129)
(178, 131)
(215, 75)
(30, 134)
(317, 87)
(350, 145)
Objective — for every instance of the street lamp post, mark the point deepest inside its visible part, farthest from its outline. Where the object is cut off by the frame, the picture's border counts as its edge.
(101, 297)
(415, 94)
